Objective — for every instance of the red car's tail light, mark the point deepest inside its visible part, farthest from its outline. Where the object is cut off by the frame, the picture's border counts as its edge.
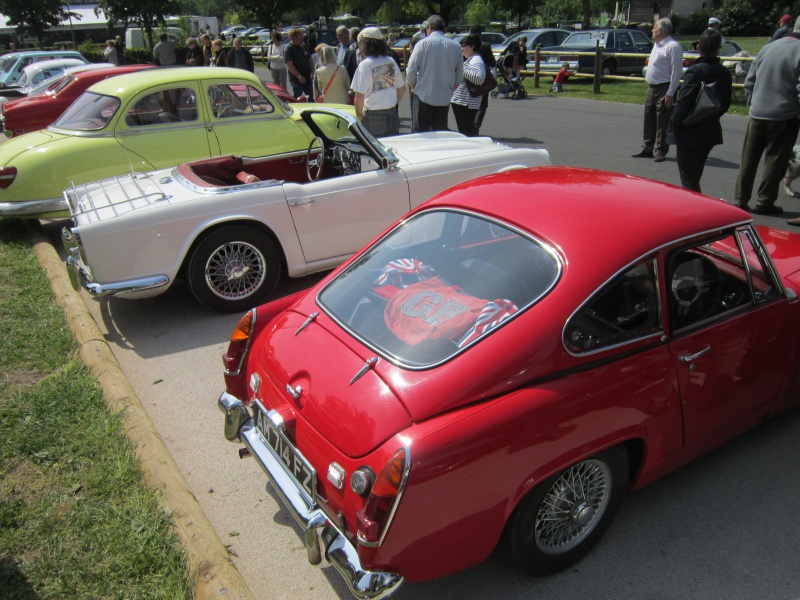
(374, 520)
(233, 359)
(7, 176)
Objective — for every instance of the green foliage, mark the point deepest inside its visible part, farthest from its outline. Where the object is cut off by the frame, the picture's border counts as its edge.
(35, 17)
(478, 12)
(693, 24)
(746, 17)
(267, 13)
(390, 12)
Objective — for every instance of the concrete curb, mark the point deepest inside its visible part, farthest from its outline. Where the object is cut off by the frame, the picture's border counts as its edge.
(214, 573)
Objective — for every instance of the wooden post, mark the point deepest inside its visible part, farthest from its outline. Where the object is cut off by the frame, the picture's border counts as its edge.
(598, 67)
(536, 60)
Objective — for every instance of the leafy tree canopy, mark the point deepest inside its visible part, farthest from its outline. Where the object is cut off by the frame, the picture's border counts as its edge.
(147, 14)
(35, 17)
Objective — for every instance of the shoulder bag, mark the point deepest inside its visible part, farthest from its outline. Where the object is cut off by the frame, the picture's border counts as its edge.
(489, 83)
(321, 98)
(706, 106)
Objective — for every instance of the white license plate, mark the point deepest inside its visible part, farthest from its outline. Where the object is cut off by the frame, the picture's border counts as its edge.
(295, 463)
(552, 59)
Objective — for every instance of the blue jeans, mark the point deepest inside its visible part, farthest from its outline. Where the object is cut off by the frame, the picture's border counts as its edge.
(298, 89)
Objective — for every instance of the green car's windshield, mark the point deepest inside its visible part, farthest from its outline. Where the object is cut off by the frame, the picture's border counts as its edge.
(88, 113)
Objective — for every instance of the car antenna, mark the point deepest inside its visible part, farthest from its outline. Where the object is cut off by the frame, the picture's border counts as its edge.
(127, 154)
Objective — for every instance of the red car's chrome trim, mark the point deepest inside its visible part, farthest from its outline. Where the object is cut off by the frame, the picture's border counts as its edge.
(339, 550)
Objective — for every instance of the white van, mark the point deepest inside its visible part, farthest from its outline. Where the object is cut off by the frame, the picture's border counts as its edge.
(135, 36)
(11, 64)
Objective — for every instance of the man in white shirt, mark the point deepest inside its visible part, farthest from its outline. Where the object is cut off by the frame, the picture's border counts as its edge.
(663, 76)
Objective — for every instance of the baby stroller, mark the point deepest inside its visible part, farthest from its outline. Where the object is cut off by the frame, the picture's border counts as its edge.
(508, 85)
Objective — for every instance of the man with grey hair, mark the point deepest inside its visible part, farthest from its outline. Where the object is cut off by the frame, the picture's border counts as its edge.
(663, 76)
(771, 88)
(435, 69)
(343, 35)
(351, 57)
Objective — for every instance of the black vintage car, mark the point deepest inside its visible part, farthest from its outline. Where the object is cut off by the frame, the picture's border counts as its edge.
(612, 40)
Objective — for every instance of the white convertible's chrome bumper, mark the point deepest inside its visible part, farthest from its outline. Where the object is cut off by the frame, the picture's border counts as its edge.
(339, 550)
(33, 208)
(80, 275)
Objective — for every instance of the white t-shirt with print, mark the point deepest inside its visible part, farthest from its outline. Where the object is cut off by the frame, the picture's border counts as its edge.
(378, 78)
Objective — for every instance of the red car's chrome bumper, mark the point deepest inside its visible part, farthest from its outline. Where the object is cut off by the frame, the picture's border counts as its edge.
(339, 550)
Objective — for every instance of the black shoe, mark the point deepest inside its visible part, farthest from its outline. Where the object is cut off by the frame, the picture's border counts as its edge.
(659, 157)
(742, 206)
(767, 209)
(643, 154)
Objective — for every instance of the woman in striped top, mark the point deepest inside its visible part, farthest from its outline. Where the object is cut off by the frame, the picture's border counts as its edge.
(465, 106)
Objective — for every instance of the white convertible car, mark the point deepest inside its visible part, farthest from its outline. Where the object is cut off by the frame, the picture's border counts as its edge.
(231, 224)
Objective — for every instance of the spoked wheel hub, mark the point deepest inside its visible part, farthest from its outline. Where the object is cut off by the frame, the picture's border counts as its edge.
(572, 507)
(235, 270)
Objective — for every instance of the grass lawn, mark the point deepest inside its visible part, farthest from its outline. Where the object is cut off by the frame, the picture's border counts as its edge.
(76, 521)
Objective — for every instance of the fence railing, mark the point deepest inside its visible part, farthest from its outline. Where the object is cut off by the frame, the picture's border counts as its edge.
(599, 55)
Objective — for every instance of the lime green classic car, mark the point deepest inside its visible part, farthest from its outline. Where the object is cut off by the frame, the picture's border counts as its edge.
(146, 121)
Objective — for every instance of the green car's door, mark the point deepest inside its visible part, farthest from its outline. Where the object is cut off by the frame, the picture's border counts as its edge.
(246, 121)
(163, 127)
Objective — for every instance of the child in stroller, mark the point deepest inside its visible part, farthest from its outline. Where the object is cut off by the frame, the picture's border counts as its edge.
(561, 77)
(508, 83)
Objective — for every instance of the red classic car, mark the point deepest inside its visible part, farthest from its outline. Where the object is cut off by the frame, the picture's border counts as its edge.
(491, 372)
(33, 113)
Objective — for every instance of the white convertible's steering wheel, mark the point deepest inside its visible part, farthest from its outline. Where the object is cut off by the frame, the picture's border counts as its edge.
(315, 163)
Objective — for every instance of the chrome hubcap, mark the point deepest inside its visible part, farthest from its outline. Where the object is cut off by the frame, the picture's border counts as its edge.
(235, 270)
(572, 507)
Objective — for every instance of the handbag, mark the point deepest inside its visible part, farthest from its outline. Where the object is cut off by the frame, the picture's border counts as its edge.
(489, 83)
(321, 98)
(706, 106)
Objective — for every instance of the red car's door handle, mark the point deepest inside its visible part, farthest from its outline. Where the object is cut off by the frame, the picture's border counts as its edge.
(687, 358)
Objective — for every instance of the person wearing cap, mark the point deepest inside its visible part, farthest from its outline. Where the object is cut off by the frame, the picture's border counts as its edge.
(715, 24)
(784, 27)
(378, 84)
(434, 71)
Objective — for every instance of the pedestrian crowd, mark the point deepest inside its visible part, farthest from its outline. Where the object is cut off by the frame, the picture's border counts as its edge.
(443, 75)
(689, 117)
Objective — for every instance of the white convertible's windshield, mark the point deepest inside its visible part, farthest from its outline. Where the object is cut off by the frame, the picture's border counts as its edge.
(437, 284)
(89, 112)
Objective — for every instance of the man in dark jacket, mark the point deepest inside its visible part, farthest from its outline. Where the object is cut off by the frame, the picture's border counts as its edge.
(351, 58)
(693, 143)
(239, 57)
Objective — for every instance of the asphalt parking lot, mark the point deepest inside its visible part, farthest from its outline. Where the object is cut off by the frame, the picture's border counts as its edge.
(724, 527)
